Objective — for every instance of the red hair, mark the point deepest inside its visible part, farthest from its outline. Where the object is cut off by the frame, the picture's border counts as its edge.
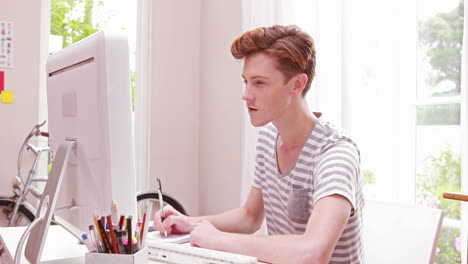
(294, 49)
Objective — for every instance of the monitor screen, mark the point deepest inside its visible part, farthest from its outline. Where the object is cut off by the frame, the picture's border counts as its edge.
(89, 101)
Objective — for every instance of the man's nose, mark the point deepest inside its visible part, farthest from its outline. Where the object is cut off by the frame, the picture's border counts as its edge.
(247, 94)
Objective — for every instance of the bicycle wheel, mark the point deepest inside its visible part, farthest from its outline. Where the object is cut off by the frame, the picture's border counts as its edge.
(154, 197)
(24, 217)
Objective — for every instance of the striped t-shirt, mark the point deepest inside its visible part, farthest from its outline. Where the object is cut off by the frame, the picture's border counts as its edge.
(328, 164)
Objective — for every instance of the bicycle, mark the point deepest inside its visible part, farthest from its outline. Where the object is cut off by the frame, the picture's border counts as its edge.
(143, 197)
(16, 210)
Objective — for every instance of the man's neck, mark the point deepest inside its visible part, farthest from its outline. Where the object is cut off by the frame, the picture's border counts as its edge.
(295, 126)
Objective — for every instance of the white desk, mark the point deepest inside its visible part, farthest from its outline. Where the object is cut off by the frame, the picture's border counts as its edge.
(60, 247)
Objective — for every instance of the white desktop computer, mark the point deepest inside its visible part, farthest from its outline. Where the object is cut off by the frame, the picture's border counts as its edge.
(90, 135)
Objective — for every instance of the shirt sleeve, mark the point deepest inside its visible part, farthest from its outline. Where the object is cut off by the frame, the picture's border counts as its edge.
(336, 172)
(259, 171)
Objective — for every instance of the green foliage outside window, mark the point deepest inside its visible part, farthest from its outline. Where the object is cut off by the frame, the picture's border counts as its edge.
(369, 177)
(442, 35)
(72, 19)
(441, 174)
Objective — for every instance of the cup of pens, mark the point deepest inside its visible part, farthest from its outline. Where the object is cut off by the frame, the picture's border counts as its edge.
(117, 243)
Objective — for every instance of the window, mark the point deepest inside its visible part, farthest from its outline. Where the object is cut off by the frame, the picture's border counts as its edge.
(389, 73)
(72, 20)
(438, 130)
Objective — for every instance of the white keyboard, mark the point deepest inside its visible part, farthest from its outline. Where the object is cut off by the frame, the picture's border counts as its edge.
(186, 254)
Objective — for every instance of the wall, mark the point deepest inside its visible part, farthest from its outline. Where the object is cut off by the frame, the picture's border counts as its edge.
(220, 107)
(195, 116)
(175, 89)
(24, 79)
(196, 108)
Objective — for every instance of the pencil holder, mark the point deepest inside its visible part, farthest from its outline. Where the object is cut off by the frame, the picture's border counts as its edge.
(141, 257)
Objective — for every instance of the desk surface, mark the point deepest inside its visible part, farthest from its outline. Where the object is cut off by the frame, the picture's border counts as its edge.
(60, 247)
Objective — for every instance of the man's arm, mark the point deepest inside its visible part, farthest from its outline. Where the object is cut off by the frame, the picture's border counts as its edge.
(324, 228)
(246, 219)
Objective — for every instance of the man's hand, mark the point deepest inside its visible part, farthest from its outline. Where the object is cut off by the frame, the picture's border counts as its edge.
(206, 235)
(174, 222)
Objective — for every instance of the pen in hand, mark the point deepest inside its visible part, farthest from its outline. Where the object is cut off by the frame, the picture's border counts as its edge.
(161, 204)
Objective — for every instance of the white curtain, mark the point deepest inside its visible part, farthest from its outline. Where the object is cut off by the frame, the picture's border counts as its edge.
(366, 82)
(365, 68)
(256, 13)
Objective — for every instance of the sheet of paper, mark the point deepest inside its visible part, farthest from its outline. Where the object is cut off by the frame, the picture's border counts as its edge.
(6, 44)
(172, 238)
(7, 97)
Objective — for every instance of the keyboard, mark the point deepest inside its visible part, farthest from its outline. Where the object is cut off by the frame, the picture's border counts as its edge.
(186, 254)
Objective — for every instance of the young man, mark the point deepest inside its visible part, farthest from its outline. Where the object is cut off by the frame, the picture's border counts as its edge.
(307, 179)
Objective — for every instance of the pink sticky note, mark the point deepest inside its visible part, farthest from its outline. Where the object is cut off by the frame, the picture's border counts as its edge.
(2, 81)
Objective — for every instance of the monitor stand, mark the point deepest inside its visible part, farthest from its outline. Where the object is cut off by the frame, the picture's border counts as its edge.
(39, 227)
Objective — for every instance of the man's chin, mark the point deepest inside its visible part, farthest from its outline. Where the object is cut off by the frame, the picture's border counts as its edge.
(256, 123)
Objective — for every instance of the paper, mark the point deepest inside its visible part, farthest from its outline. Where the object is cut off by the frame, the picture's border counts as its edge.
(7, 97)
(172, 238)
(6, 44)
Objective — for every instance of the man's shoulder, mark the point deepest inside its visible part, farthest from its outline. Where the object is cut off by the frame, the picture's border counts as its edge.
(328, 135)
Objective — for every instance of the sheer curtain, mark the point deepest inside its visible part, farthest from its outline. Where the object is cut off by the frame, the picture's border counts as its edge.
(365, 66)
(256, 13)
(368, 81)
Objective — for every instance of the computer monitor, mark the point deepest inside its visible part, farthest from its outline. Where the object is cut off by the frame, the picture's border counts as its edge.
(89, 103)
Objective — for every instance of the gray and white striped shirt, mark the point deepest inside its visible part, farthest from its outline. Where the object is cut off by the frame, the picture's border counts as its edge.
(328, 164)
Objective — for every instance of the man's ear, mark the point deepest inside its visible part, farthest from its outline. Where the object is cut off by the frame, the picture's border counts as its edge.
(300, 81)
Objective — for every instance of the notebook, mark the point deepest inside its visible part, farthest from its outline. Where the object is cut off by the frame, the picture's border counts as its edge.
(172, 238)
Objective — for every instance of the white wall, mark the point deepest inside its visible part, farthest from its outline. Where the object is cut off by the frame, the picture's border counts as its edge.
(175, 89)
(196, 118)
(220, 107)
(24, 79)
(196, 110)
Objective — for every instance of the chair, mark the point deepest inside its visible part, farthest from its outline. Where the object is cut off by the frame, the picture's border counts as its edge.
(396, 233)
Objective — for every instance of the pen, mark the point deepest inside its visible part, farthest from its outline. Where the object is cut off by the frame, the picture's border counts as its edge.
(149, 207)
(104, 237)
(114, 212)
(121, 222)
(143, 224)
(129, 236)
(120, 234)
(101, 238)
(115, 246)
(94, 238)
(161, 204)
(88, 243)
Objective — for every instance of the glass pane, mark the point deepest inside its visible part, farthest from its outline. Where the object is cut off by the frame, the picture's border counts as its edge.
(72, 20)
(437, 171)
(443, 114)
(438, 132)
(439, 51)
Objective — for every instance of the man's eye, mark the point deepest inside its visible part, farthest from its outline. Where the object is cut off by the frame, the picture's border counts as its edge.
(260, 83)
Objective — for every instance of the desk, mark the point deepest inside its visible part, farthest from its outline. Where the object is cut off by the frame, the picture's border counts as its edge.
(60, 246)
